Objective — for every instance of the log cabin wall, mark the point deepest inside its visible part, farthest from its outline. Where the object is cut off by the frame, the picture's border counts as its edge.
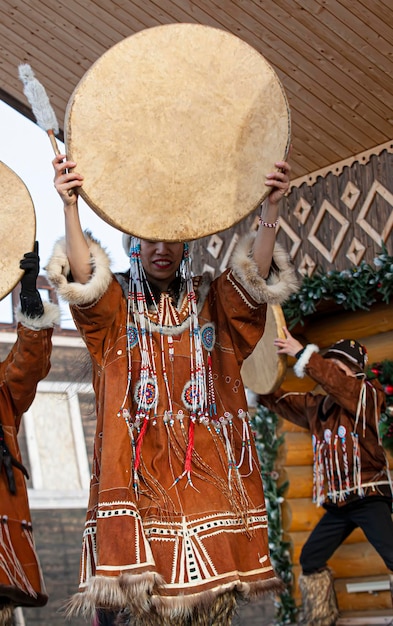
(334, 224)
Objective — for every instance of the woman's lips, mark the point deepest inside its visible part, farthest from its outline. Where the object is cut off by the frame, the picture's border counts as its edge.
(162, 264)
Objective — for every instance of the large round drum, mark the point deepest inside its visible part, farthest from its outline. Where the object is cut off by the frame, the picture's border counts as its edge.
(174, 130)
(264, 370)
(17, 227)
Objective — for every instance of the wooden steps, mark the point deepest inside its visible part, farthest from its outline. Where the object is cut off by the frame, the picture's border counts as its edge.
(358, 618)
(364, 593)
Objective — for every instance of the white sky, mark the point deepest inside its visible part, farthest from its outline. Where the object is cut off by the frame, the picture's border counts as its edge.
(26, 149)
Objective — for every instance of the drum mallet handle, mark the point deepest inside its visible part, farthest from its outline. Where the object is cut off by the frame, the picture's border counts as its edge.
(42, 109)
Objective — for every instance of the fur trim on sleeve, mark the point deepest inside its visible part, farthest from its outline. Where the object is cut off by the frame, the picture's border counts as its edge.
(58, 270)
(300, 366)
(280, 284)
(49, 319)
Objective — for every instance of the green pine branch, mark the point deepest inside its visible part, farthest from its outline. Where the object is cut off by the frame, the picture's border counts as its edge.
(353, 289)
(268, 443)
(383, 372)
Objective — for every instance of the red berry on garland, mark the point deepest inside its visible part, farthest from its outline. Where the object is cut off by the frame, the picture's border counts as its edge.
(388, 390)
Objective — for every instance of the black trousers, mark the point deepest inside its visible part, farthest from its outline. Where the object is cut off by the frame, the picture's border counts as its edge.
(372, 514)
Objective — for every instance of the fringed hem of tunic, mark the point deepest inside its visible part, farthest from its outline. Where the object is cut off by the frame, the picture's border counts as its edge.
(6, 615)
(140, 595)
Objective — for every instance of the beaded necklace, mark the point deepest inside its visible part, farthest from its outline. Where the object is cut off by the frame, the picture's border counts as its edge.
(140, 332)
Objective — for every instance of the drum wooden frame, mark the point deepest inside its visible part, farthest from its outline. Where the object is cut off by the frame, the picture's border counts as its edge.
(17, 227)
(264, 370)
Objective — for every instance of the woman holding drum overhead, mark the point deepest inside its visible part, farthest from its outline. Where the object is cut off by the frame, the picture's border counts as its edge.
(176, 528)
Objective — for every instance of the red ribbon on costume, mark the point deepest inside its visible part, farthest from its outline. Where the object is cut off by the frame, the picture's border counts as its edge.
(139, 442)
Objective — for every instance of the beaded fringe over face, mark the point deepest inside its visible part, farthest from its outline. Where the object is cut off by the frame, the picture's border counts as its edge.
(139, 330)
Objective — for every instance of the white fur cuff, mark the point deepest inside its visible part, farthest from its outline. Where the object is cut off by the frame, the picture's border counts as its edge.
(300, 365)
(280, 284)
(58, 271)
(49, 319)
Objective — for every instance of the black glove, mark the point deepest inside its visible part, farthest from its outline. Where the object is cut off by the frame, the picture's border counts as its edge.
(30, 299)
(9, 462)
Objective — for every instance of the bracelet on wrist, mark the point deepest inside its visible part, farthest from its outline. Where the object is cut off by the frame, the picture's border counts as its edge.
(268, 224)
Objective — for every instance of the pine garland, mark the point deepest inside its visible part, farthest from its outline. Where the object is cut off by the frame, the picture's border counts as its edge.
(384, 373)
(355, 288)
(267, 443)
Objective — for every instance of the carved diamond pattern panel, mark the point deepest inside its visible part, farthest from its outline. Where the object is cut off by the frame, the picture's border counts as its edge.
(350, 195)
(376, 188)
(355, 251)
(296, 240)
(208, 269)
(215, 245)
(302, 210)
(328, 209)
(228, 252)
(307, 266)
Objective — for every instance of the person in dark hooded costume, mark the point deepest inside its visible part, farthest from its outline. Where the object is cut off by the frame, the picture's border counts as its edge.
(351, 473)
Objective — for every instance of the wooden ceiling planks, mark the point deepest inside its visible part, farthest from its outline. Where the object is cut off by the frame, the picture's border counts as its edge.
(334, 57)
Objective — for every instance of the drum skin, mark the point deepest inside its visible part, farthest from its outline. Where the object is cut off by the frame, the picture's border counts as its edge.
(174, 130)
(17, 227)
(264, 370)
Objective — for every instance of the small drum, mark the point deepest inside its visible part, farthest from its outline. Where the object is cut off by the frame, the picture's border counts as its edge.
(174, 130)
(17, 227)
(264, 370)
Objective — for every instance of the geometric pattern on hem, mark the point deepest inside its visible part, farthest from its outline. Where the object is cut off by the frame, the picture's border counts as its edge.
(190, 554)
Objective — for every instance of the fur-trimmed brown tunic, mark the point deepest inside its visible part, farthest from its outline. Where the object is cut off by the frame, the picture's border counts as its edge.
(169, 543)
(28, 362)
(349, 460)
